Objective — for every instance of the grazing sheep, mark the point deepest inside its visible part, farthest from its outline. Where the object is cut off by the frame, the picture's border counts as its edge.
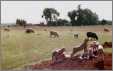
(106, 30)
(29, 30)
(107, 44)
(38, 34)
(92, 35)
(6, 29)
(71, 30)
(75, 35)
(45, 29)
(55, 34)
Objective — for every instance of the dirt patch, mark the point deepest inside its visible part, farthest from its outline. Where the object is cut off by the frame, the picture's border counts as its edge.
(74, 64)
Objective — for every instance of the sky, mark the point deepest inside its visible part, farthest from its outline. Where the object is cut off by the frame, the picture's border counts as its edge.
(31, 11)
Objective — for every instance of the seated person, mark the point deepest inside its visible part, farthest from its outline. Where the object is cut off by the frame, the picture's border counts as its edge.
(94, 48)
(58, 55)
(83, 46)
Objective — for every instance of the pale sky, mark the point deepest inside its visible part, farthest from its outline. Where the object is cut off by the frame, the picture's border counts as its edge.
(31, 11)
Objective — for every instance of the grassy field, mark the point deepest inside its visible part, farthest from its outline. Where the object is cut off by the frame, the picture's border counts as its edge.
(20, 49)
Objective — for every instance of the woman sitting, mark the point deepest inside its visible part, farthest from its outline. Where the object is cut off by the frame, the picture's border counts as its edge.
(58, 55)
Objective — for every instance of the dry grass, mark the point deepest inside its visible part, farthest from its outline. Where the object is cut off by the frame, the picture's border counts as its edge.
(19, 48)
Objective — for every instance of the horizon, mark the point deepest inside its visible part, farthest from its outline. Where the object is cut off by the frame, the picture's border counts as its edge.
(31, 11)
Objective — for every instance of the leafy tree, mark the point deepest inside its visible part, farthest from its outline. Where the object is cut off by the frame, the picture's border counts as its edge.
(103, 22)
(72, 15)
(83, 17)
(89, 18)
(50, 14)
(109, 22)
(62, 22)
(21, 22)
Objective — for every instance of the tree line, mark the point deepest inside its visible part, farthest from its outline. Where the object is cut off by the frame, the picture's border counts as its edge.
(79, 17)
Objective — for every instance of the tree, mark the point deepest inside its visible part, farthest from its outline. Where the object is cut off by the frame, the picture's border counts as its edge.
(83, 17)
(62, 22)
(72, 15)
(89, 18)
(50, 14)
(103, 22)
(21, 22)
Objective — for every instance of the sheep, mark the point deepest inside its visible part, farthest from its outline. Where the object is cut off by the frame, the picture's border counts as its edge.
(75, 35)
(106, 30)
(6, 29)
(53, 33)
(92, 35)
(29, 30)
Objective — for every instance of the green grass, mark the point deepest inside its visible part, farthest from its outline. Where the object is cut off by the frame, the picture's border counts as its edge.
(19, 48)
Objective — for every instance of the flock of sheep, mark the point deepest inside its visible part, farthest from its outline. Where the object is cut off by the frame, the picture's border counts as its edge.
(54, 34)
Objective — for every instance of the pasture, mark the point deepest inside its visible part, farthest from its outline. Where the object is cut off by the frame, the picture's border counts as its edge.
(19, 48)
